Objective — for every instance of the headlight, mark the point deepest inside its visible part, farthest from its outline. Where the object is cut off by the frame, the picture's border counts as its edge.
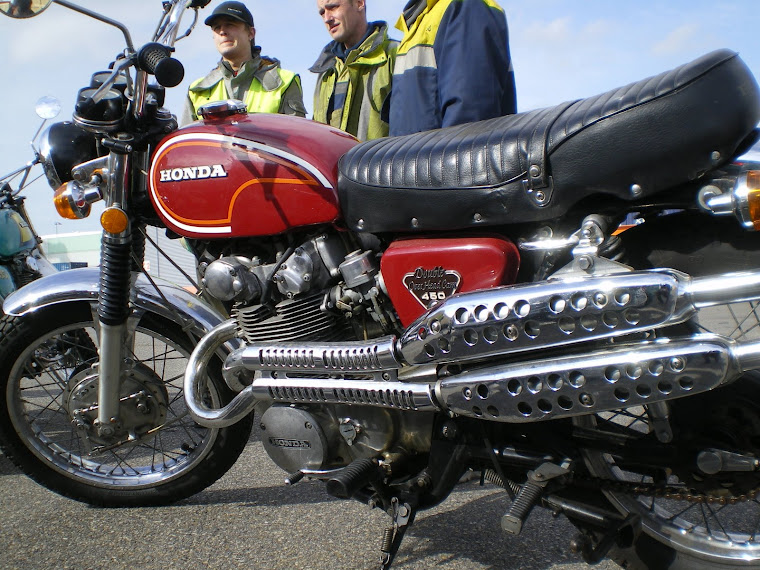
(63, 146)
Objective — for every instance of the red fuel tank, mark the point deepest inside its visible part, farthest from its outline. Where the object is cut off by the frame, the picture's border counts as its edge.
(247, 175)
(419, 273)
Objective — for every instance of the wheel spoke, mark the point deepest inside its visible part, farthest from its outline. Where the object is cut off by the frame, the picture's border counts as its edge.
(60, 362)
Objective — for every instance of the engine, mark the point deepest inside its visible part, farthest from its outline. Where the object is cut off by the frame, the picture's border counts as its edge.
(321, 289)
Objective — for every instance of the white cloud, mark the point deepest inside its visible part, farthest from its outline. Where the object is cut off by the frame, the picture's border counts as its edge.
(679, 40)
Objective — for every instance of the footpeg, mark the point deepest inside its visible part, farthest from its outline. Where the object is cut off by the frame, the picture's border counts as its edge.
(353, 478)
(529, 496)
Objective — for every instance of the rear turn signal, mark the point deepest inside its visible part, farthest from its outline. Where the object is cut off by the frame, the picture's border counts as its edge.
(70, 201)
(114, 220)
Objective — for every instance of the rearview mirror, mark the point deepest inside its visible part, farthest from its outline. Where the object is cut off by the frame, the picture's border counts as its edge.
(23, 8)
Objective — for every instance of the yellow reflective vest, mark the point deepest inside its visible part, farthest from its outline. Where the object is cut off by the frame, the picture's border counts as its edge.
(264, 94)
(354, 94)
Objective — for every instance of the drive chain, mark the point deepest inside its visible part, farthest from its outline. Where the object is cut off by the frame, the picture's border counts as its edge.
(668, 491)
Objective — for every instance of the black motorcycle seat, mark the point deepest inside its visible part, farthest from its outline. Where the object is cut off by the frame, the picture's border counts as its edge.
(628, 143)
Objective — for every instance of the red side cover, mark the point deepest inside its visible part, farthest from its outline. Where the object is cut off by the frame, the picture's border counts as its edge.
(418, 273)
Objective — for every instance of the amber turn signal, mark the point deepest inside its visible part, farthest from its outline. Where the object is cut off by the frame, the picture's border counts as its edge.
(753, 197)
(114, 220)
(70, 202)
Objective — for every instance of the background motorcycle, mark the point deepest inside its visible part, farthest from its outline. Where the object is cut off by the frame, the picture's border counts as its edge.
(380, 347)
(21, 259)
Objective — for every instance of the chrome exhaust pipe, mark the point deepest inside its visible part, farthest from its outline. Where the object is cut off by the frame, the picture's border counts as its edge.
(497, 322)
(240, 406)
(377, 355)
(606, 380)
(554, 313)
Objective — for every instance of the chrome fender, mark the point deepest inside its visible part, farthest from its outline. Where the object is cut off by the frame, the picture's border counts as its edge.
(83, 284)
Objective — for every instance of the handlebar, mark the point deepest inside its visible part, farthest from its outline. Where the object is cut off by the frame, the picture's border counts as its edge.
(155, 58)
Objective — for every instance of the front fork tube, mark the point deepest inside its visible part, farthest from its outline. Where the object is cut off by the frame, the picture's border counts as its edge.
(113, 298)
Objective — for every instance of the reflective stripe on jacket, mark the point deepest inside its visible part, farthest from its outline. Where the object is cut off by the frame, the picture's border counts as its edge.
(356, 92)
(453, 65)
(263, 95)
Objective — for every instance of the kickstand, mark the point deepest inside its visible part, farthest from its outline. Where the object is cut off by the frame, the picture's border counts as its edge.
(403, 517)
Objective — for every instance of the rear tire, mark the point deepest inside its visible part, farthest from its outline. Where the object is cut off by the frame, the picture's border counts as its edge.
(47, 382)
(676, 535)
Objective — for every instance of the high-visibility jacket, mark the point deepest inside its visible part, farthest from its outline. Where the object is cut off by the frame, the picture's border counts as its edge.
(267, 89)
(354, 94)
(453, 65)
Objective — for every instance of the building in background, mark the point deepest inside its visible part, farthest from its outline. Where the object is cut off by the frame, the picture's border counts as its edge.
(82, 249)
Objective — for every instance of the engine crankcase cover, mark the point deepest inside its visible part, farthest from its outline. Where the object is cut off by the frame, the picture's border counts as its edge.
(293, 438)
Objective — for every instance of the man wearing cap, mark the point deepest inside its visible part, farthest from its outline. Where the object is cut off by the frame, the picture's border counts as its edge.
(243, 73)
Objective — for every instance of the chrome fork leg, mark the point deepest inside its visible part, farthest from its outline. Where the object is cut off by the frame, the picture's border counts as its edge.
(112, 340)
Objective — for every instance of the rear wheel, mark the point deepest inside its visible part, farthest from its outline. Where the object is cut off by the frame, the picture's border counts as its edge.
(155, 453)
(691, 521)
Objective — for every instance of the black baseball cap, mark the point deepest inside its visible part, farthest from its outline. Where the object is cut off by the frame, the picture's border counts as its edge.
(234, 10)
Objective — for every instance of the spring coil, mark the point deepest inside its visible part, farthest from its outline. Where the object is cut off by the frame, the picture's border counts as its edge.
(115, 281)
(138, 247)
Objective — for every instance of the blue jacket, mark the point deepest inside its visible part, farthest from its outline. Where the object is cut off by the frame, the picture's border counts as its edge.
(453, 65)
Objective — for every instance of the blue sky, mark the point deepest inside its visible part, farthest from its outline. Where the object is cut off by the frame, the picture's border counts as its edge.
(562, 50)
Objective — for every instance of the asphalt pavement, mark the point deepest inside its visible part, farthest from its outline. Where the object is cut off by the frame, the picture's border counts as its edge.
(250, 519)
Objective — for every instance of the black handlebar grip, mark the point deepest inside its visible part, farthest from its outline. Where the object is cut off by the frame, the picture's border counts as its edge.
(156, 58)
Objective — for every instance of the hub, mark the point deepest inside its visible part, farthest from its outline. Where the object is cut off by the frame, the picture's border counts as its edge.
(143, 403)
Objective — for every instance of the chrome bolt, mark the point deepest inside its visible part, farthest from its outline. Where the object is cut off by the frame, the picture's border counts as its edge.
(585, 262)
(512, 332)
(636, 190)
(540, 197)
(477, 218)
(360, 224)
(677, 364)
(415, 223)
(435, 327)
(535, 171)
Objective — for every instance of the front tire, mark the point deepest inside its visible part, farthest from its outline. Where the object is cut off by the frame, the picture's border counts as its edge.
(46, 405)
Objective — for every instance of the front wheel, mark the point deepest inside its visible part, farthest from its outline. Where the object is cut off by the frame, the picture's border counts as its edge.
(155, 454)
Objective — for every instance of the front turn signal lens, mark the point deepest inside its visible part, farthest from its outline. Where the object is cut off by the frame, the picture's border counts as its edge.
(753, 197)
(114, 220)
(70, 201)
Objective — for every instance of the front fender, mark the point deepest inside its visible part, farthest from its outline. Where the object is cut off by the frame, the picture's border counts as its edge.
(83, 285)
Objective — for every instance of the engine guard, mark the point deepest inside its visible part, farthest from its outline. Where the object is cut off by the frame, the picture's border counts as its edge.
(83, 285)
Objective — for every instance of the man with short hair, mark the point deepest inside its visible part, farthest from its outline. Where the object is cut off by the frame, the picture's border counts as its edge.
(355, 70)
(243, 73)
(453, 65)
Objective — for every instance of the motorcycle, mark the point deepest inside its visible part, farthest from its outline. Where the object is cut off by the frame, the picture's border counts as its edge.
(21, 258)
(401, 312)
